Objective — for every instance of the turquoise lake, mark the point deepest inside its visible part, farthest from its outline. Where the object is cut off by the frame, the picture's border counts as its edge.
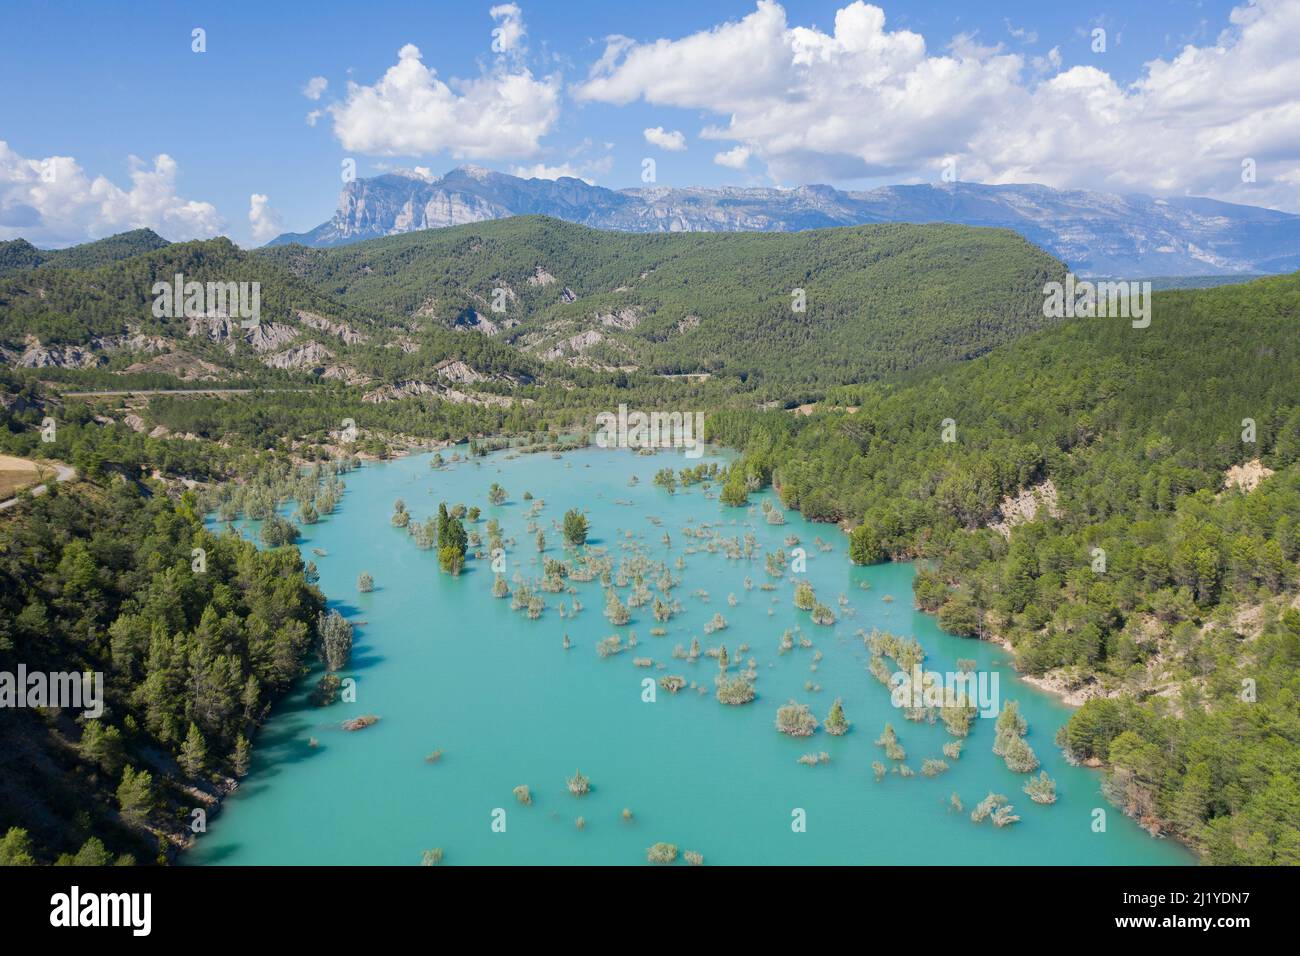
(448, 667)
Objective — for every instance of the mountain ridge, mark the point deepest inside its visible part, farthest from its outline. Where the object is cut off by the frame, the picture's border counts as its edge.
(18, 255)
(1098, 234)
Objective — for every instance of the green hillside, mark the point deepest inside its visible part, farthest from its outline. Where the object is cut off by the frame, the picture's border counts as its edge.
(76, 306)
(1135, 429)
(19, 254)
(879, 299)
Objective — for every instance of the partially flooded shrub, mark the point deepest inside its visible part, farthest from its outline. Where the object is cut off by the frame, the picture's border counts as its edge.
(360, 723)
(523, 794)
(795, 720)
(995, 805)
(735, 691)
(693, 858)
(662, 853)
(836, 723)
(579, 785)
(672, 683)
(1041, 789)
(821, 614)
(327, 691)
(1020, 757)
(889, 740)
(615, 610)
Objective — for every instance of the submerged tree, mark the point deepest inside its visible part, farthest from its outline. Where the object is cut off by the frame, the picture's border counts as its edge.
(889, 740)
(575, 528)
(1041, 789)
(795, 719)
(277, 532)
(666, 478)
(615, 609)
(735, 691)
(662, 853)
(864, 546)
(335, 634)
(836, 723)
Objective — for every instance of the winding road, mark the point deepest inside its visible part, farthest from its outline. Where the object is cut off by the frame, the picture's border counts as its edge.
(64, 473)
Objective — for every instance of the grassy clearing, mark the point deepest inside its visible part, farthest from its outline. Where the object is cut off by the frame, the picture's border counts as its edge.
(19, 473)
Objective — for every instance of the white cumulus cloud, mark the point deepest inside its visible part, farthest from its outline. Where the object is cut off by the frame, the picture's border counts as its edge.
(864, 100)
(263, 221)
(53, 202)
(315, 87)
(502, 112)
(543, 171)
(733, 158)
(587, 169)
(671, 140)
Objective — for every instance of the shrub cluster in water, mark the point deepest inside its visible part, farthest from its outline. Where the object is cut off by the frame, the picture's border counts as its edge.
(1009, 741)
(796, 720)
(735, 691)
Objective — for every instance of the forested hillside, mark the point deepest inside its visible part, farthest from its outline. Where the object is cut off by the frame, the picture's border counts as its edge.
(102, 578)
(879, 299)
(19, 255)
(88, 323)
(1165, 593)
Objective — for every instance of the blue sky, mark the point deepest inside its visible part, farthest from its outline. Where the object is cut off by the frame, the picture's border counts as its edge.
(762, 94)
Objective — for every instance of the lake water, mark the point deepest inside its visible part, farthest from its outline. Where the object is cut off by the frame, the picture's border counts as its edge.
(448, 667)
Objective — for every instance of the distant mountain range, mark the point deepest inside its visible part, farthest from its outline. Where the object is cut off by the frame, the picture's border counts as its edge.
(1098, 234)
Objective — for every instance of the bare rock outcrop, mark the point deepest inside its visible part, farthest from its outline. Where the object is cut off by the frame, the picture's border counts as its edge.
(340, 330)
(1026, 505)
(1246, 476)
(310, 355)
